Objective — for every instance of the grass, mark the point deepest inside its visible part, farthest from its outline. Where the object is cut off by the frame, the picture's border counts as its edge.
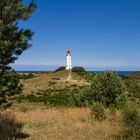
(10, 128)
(71, 124)
(49, 80)
(43, 122)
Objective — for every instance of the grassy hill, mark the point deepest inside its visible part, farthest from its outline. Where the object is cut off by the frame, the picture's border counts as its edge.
(47, 113)
(44, 81)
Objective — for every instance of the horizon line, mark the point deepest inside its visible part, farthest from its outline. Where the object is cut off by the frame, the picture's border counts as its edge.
(87, 67)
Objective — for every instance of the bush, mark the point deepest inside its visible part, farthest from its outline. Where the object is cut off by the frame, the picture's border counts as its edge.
(106, 88)
(32, 98)
(19, 98)
(26, 76)
(78, 69)
(84, 74)
(121, 100)
(9, 127)
(132, 124)
(97, 111)
(133, 87)
(87, 75)
(60, 69)
(56, 97)
(63, 100)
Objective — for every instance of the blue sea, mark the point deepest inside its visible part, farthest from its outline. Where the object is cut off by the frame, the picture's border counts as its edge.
(119, 72)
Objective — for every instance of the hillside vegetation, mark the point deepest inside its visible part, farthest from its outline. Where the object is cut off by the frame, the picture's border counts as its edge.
(48, 80)
(57, 108)
(132, 83)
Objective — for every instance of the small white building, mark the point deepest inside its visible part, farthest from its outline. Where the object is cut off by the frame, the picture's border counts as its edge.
(68, 60)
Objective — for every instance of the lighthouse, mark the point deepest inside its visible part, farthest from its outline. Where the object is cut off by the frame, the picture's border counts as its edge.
(68, 60)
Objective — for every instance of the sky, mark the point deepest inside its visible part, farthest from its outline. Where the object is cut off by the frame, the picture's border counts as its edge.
(99, 33)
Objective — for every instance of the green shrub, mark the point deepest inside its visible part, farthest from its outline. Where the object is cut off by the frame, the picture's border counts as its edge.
(67, 97)
(83, 73)
(132, 124)
(32, 98)
(97, 111)
(132, 84)
(133, 87)
(87, 75)
(106, 88)
(19, 98)
(121, 101)
(78, 69)
(55, 97)
(63, 100)
(60, 69)
(25, 76)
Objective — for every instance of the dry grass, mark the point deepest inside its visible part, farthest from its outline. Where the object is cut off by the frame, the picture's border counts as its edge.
(68, 124)
(42, 123)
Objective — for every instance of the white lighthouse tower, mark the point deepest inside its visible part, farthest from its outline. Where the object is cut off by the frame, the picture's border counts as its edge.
(68, 60)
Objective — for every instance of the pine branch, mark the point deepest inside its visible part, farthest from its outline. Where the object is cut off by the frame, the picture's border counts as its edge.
(1, 16)
(10, 10)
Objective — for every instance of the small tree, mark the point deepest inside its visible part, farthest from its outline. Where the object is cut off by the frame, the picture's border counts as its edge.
(13, 41)
(106, 88)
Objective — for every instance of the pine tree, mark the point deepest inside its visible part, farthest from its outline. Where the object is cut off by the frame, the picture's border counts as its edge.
(13, 42)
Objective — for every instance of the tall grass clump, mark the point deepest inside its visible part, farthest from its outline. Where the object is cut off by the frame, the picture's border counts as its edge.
(97, 111)
(131, 122)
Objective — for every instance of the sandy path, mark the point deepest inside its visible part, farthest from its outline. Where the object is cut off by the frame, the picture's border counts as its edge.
(69, 76)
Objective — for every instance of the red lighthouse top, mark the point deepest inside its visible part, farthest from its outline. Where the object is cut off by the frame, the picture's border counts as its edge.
(68, 53)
